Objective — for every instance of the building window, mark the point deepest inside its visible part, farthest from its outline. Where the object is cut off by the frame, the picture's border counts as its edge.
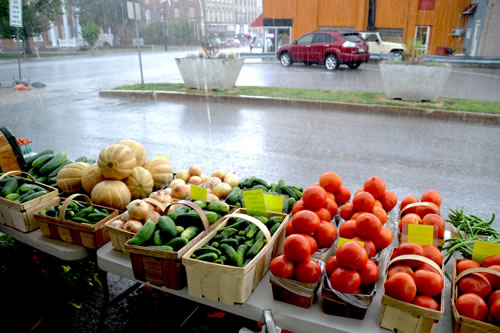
(148, 15)
(176, 12)
(38, 38)
(191, 12)
(426, 4)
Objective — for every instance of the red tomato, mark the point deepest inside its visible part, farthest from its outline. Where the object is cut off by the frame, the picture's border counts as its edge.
(305, 222)
(348, 229)
(495, 310)
(494, 280)
(490, 261)
(289, 229)
(400, 268)
(363, 201)
(426, 302)
(411, 199)
(298, 206)
(312, 241)
(345, 280)
(352, 255)
(493, 297)
(410, 218)
(281, 266)
(433, 254)
(437, 221)
(343, 195)
(326, 234)
(307, 271)
(332, 207)
(368, 226)
(463, 265)
(369, 246)
(409, 248)
(475, 283)
(428, 267)
(428, 283)
(389, 200)
(323, 214)
(429, 208)
(314, 197)
(384, 238)
(401, 286)
(296, 248)
(369, 274)
(330, 265)
(472, 306)
(347, 211)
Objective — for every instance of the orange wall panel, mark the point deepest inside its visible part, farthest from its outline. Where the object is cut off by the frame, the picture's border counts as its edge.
(391, 13)
(338, 13)
(306, 18)
(279, 9)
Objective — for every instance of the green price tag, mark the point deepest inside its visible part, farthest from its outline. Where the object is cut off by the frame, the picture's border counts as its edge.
(274, 203)
(165, 157)
(342, 241)
(483, 250)
(254, 202)
(421, 234)
(198, 193)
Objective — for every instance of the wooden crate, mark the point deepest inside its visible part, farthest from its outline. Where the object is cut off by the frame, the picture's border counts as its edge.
(21, 215)
(403, 236)
(164, 268)
(295, 292)
(406, 317)
(118, 236)
(11, 157)
(462, 324)
(228, 284)
(89, 236)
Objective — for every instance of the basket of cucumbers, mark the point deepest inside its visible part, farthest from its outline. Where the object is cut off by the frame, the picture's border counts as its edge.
(156, 250)
(229, 262)
(21, 197)
(77, 222)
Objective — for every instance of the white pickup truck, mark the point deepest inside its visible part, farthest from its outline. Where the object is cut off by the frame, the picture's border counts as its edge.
(377, 45)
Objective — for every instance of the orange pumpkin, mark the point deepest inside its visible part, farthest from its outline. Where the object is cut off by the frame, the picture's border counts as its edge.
(161, 170)
(138, 149)
(69, 178)
(91, 176)
(140, 183)
(116, 161)
(111, 193)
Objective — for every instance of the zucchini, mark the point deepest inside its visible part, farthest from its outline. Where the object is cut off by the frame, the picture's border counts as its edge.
(230, 252)
(54, 172)
(53, 164)
(207, 249)
(10, 187)
(30, 159)
(167, 225)
(144, 234)
(190, 232)
(39, 162)
(256, 247)
(177, 243)
(210, 256)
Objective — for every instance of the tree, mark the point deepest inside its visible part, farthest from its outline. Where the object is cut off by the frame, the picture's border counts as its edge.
(90, 33)
(37, 15)
(182, 31)
(154, 33)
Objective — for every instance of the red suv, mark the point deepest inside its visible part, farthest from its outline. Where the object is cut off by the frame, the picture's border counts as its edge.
(326, 47)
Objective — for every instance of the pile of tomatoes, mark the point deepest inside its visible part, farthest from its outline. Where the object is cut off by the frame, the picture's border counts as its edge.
(479, 292)
(366, 215)
(350, 269)
(428, 214)
(414, 281)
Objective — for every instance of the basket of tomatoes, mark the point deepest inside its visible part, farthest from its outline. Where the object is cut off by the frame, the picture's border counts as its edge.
(348, 287)
(413, 298)
(475, 299)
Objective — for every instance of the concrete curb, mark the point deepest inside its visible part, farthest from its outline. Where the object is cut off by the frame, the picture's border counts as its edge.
(173, 96)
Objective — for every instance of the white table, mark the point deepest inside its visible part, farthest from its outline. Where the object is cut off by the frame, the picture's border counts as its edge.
(57, 248)
(285, 316)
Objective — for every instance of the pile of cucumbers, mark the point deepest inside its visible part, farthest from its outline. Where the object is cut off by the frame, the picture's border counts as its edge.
(176, 229)
(19, 189)
(78, 212)
(45, 165)
(294, 193)
(238, 242)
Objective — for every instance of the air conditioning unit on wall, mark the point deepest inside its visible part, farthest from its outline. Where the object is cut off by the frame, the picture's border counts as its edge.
(457, 32)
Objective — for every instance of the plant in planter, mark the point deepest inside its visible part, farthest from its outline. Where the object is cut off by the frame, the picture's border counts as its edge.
(210, 69)
(412, 79)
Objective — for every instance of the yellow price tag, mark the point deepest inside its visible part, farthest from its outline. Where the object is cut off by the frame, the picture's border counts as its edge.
(274, 203)
(342, 241)
(483, 250)
(421, 234)
(165, 157)
(254, 202)
(198, 193)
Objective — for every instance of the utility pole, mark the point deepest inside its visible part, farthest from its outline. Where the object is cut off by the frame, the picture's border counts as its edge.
(165, 23)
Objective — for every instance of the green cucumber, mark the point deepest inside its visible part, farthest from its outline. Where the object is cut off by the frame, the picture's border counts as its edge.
(214, 244)
(276, 219)
(157, 237)
(288, 191)
(85, 211)
(177, 243)
(28, 187)
(10, 187)
(96, 217)
(81, 159)
(39, 162)
(226, 233)
(53, 164)
(258, 181)
(247, 182)
(256, 247)
(221, 260)
(31, 159)
(240, 255)
(230, 252)
(234, 196)
(167, 225)
(208, 257)
(229, 241)
(274, 228)
(43, 212)
(239, 224)
(262, 219)
(54, 172)
(42, 179)
(190, 232)
(218, 207)
(260, 187)
(144, 234)
(25, 195)
(179, 228)
(200, 203)
(12, 196)
(81, 220)
(160, 247)
(179, 211)
(253, 230)
(291, 202)
(207, 249)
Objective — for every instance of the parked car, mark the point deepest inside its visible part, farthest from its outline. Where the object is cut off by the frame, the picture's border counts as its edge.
(232, 43)
(377, 45)
(326, 47)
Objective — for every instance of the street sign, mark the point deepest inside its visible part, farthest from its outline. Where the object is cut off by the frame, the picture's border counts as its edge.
(130, 10)
(16, 13)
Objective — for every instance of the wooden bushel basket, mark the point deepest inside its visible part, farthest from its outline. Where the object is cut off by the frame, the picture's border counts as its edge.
(11, 158)
(406, 317)
(164, 268)
(403, 237)
(222, 283)
(118, 236)
(462, 324)
(89, 236)
(21, 215)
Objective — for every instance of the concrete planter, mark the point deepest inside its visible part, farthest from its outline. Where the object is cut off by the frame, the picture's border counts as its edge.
(414, 82)
(210, 74)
